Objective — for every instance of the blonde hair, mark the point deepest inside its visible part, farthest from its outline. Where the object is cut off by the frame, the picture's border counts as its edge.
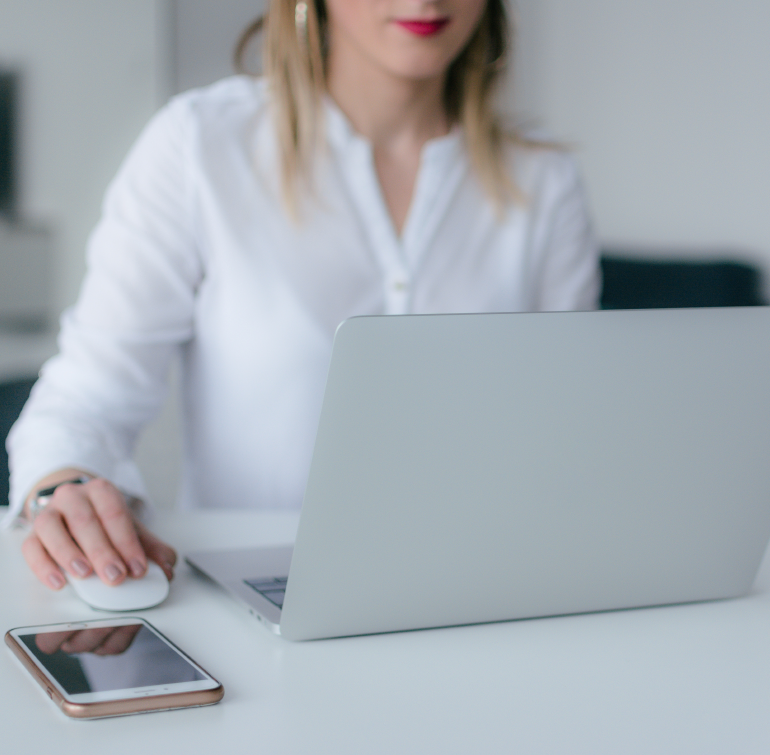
(294, 63)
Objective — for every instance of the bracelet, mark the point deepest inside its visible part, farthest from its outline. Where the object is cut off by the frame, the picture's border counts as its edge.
(43, 497)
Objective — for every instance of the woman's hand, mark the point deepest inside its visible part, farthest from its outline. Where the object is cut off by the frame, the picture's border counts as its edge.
(89, 528)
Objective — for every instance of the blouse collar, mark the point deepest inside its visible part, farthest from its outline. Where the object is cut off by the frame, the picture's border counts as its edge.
(343, 137)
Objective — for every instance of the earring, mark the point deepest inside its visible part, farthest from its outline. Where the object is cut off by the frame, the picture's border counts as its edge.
(300, 21)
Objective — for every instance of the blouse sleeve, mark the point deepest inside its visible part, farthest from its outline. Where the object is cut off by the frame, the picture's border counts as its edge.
(566, 271)
(135, 309)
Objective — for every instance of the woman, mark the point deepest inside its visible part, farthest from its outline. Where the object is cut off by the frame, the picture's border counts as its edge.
(366, 174)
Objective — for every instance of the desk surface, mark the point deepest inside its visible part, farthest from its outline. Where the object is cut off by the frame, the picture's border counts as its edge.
(682, 679)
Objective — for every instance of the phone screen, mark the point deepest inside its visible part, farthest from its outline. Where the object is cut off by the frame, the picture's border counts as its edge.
(107, 658)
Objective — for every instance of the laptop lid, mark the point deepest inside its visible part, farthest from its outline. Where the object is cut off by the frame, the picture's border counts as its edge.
(473, 468)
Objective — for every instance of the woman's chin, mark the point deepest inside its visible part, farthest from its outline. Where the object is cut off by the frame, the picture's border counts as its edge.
(419, 67)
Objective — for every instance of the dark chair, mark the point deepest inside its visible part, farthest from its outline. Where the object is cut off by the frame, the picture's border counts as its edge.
(644, 283)
(13, 394)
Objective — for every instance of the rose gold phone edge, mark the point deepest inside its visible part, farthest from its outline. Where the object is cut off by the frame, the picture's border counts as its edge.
(123, 707)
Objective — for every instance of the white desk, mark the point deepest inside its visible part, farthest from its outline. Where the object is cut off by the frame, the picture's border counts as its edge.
(684, 679)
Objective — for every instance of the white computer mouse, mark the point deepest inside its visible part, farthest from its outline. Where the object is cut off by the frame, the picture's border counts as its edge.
(130, 595)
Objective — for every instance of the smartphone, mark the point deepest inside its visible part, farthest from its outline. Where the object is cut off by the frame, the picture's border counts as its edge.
(111, 667)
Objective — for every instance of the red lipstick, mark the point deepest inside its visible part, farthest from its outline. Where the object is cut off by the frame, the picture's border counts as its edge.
(423, 28)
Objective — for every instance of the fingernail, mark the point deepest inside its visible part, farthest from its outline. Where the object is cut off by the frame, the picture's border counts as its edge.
(137, 567)
(113, 572)
(80, 567)
(56, 580)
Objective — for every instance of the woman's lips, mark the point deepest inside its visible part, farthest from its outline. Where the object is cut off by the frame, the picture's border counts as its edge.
(423, 28)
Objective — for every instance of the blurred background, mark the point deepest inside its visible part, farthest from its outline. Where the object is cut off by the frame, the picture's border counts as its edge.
(666, 103)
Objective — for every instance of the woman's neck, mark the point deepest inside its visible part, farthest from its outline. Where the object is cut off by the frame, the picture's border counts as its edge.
(384, 108)
(396, 115)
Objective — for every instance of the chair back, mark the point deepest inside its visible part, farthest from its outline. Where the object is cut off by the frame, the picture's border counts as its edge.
(13, 395)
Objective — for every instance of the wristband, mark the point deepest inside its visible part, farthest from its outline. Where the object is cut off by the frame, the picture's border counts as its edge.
(43, 497)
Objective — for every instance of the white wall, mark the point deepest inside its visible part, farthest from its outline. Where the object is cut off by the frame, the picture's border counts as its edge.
(93, 74)
(668, 102)
(203, 38)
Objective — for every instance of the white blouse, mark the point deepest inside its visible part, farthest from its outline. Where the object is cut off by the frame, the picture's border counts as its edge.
(195, 256)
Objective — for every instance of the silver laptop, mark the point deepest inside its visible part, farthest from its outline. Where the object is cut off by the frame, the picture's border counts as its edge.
(478, 468)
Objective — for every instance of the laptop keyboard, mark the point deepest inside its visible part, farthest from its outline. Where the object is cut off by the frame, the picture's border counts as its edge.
(273, 589)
